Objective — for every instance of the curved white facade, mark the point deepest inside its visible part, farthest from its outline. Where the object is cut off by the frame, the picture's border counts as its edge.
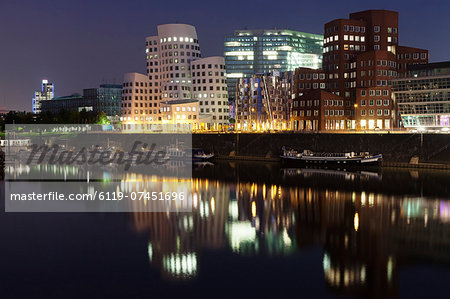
(173, 60)
(169, 55)
(136, 106)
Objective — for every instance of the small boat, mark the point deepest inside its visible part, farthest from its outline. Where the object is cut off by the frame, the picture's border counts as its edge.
(192, 154)
(199, 155)
(307, 157)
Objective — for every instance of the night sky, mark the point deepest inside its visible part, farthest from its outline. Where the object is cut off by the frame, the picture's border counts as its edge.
(81, 44)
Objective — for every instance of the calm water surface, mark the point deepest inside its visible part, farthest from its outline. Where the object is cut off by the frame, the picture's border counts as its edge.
(256, 230)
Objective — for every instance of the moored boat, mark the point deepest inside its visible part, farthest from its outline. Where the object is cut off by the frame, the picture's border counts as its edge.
(193, 154)
(199, 155)
(307, 157)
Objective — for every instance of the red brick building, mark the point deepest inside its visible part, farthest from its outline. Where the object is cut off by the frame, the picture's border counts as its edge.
(407, 56)
(361, 56)
(317, 110)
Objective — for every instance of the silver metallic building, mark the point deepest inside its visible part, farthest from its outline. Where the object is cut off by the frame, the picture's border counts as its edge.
(422, 96)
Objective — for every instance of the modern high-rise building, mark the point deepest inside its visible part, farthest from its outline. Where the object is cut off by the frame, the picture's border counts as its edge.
(361, 57)
(249, 52)
(169, 55)
(423, 96)
(47, 92)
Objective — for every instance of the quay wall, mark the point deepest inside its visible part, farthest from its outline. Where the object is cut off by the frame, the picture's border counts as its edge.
(432, 148)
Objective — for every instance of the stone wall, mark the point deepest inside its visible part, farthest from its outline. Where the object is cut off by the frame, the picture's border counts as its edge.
(394, 147)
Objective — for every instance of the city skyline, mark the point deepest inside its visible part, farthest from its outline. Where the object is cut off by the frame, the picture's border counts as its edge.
(88, 49)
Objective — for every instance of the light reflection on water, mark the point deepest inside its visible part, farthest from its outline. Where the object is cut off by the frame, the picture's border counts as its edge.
(367, 234)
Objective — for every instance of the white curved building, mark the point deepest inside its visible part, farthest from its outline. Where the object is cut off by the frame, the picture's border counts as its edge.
(209, 87)
(169, 55)
(136, 107)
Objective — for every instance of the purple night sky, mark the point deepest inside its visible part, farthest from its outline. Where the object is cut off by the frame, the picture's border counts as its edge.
(81, 44)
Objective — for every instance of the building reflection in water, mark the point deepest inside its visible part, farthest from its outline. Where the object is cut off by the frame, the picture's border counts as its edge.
(366, 236)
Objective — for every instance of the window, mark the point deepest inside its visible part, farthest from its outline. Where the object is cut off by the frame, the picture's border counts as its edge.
(376, 38)
(363, 92)
(376, 28)
(423, 55)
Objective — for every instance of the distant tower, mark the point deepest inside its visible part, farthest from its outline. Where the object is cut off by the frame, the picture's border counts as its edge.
(47, 92)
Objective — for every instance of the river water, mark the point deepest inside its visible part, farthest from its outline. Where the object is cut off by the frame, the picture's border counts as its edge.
(257, 230)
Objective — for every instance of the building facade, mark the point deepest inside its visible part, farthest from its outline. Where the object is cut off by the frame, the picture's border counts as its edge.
(47, 92)
(361, 57)
(74, 102)
(250, 52)
(106, 98)
(263, 102)
(171, 56)
(209, 87)
(317, 110)
(182, 114)
(423, 96)
(137, 106)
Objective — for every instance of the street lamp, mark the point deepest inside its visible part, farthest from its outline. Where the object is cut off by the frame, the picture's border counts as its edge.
(356, 107)
(251, 124)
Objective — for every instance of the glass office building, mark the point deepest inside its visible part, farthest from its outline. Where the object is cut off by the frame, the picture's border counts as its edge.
(106, 98)
(250, 52)
(46, 93)
(422, 96)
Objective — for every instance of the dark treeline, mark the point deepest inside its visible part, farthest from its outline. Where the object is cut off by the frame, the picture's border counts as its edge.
(63, 117)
